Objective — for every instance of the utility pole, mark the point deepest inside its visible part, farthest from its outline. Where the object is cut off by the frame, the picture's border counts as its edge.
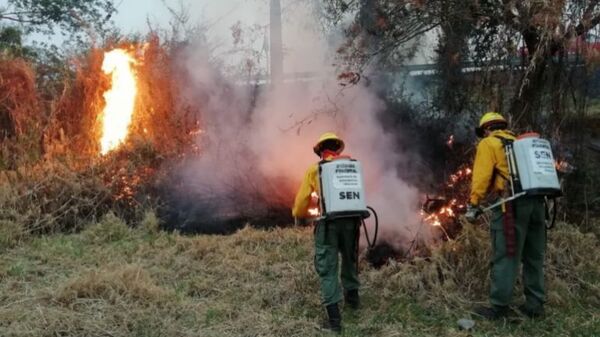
(276, 50)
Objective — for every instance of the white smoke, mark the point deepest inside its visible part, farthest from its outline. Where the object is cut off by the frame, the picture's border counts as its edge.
(270, 132)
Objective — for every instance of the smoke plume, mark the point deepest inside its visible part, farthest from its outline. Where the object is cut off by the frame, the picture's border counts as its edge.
(257, 137)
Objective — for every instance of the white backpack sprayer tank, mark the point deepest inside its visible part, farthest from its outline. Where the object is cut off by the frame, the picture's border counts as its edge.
(342, 189)
(343, 193)
(535, 166)
(531, 167)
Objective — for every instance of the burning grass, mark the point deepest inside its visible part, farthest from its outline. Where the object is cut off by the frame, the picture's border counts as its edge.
(53, 196)
(111, 280)
(57, 179)
(113, 273)
(161, 117)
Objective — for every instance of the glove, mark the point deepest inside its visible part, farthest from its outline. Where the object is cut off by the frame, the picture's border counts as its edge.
(472, 213)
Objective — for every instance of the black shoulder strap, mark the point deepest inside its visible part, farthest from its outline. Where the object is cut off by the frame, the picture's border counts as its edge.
(505, 142)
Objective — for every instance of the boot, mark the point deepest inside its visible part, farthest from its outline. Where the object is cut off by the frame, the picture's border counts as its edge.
(531, 313)
(492, 313)
(334, 318)
(352, 299)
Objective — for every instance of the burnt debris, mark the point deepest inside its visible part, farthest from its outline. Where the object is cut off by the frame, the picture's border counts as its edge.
(200, 208)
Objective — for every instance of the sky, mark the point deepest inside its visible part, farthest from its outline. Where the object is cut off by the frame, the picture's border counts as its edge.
(220, 15)
(133, 15)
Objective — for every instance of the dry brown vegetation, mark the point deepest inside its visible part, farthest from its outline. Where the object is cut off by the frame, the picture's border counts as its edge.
(162, 120)
(53, 178)
(46, 198)
(19, 113)
(112, 280)
(82, 255)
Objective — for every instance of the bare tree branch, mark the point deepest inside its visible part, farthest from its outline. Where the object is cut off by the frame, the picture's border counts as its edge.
(17, 19)
(590, 9)
(585, 26)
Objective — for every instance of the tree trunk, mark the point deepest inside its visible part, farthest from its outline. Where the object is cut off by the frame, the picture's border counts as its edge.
(526, 104)
(453, 46)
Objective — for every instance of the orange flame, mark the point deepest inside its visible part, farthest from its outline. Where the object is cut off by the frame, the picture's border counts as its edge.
(120, 99)
(313, 212)
(448, 212)
(314, 201)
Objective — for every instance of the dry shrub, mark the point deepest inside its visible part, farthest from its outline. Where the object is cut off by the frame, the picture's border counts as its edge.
(455, 268)
(162, 130)
(162, 115)
(52, 196)
(20, 113)
(150, 222)
(74, 128)
(109, 228)
(11, 233)
(129, 175)
(73, 185)
(161, 118)
(457, 272)
(49, 197)
(573, 265)
(113, 284)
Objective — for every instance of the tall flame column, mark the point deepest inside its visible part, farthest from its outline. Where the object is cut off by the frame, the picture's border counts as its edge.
(120, 99)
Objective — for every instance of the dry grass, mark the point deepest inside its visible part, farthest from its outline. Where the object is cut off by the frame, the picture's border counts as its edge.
(18, 98)
(111, 284)
(50, 143)
(57, 180)
(162, 119)
(163, 116)
(48, 197)
(74, 127)
(111, 280)
(20, 117)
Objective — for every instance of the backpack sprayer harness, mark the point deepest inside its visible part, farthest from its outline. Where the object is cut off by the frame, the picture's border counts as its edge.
(342, 194)
(531, 170)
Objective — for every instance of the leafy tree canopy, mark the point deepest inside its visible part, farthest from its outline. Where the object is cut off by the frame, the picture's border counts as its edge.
(69, 17)
(485, 31)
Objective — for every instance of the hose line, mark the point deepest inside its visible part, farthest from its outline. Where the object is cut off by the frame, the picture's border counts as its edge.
(371, 244)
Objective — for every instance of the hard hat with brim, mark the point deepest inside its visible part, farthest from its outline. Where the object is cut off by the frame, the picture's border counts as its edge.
(487, 120)
(325, 137)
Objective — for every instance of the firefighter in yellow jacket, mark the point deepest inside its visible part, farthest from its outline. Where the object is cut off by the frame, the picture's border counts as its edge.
(332, 236)
(517, 229)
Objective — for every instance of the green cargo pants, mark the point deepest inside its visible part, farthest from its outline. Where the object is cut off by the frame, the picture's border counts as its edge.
(530, 249)
(333, 237)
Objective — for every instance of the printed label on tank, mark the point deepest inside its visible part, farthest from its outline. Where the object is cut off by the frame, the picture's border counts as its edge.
(542, 161)
(346, 176)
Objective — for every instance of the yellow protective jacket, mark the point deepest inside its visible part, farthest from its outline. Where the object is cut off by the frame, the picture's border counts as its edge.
(309, 184)
(490, 170)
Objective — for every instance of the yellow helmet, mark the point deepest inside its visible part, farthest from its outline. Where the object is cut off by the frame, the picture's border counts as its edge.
(489, 118)
(328, 136)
